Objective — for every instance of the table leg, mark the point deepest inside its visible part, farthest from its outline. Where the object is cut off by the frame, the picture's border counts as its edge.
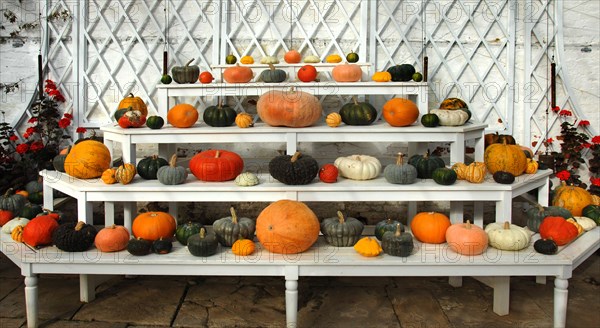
(561, 296)
(291, 303)
(455, 281)
(109, 214)
(129, 210)
(504, 208)
(48, 196)
(128, 152)
(456, 212)
(543, 193)
(87, 288)
(111, 147)
(478, 213)
(31, 300)
(501, 295)
(457, 149)
(480, 147)
(85, 210)
(173, 209)
(412, 211)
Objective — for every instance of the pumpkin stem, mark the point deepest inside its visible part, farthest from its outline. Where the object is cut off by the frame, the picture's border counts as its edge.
(292, 89)
(79, 225)
(114, 226)
(506, 225)
(131, 95)
(341, 217)
(355, 100)
(202, 233)
(173, 160)
(217, 154)
(400, 159)
(271, 67)
(189, 62)
(9, 192)
(468, 226)
(234, 218)
(398, 230)
(296, 156)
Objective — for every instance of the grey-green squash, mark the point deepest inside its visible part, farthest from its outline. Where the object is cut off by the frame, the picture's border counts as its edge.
(400, 173)
(273, 75)
(172, 174)
(397, 243)
(341, 231)
(231, 228)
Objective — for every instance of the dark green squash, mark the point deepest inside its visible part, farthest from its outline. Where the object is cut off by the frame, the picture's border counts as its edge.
(139, 246)
(30, 210)
(397, 243)
(203, 244)
(34, 186)
(299, 169)
(273, 75)
(58, 162)
(358, 113)
(504, 177)
(220, 115)
(536, 215)
(342, 231)
(162, 246)
(545, 246)
(386, 225)
(592, 212)
(430, 120)
(402, 73)
(148, 166)
(231, 228)
(12, 202)
(155, 122)
(184, 231)
(74, 236)
(186, 74)
(444, 176)
(426, 164)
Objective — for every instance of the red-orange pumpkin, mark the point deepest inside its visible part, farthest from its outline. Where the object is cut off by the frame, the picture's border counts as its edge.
(182, 115)
(558, 229)
(287, 227)
(5, 216)
(346, 73)
(400, 112)
(292, 57)
(112, 239)
(216, 165)
(294, 109)
(430, 227)
(38, 231)
(467, 239)
(238, 74)
(153, 226)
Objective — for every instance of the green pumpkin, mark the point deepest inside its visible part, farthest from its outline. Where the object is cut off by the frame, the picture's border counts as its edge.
(148, 166)
(120, 112)
(400, 173)
(155, 122)
(36, 198)
(186, 74)
(352, 57)
(444, 176)
(34, 186)
(430, 120)
(402, 73)
(545, 246)
(358, 113)
(184, 231)
(58, 162)
(166, 79)
(397, 243)
(538, 213)
(503, 177)
(426, 164)
(220, 115)
(12, 202)
(273, 75)
(230, 59)
(162, 246)
(30, 210)
(386, 225)
(231, 228)
(139, 246)
(172, 174)
(592, 212)
(74, 236)
(203, 244)
(294, 170)
(341, 231)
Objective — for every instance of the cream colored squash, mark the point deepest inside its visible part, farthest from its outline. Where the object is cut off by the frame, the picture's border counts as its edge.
(358, 167)
(246, 179)
(312, 59)
(507, 237)
(586, 223)
(451, 117)
(10, 225)
(269, 60)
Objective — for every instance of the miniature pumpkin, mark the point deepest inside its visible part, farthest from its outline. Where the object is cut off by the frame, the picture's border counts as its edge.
(451, 117)
(186, 74)
(292, 57)
(206, 78)
(586, 223)
(593, 212)
(573, 198)
(328, 173)
(426, 164)
(358, 113)
(430, 227)
(230, 59)
(5, 216)
(333, 59)
(243, 247)
(333, 120)
(219, 116)
(287, 227)
(368, 247)
(247, 60)
(8, 227)
(113, 238)
(87, 160)
(269, 60)
(74, 236)
(545, 246)
(307, 73)
(504, 157)
(430, 120)
(358, 167)
(125, 173)
(346, 73)
(298, 169)
(186, 230)
(148, 167)
(38, 231)
(503, 177)
(341, 231)
(216, 165)
(507, 237)
(203, 243)
(312, 59)
(402, 73)
(444, 176)
(466, 239)
(162, 246)
(238, 74)
(172, 174)
(397, 243)
(246, 179)
(17, 234)
(244, 120)
(155, 122)
(382, 77)
(182, 116)
(386, 225)
(139, 246)
(352, 57)
(580, 229)
(291, 108)
(400, 112)
(273, 75)
(136, 103)
(538, 213)
(108, 176)
(558, 229)
(532, 166)
(400, 173)
(231, 228)
(153, 225)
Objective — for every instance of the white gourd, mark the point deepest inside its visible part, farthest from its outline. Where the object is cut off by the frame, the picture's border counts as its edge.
(586, 223)
(312, 59)
(451, 117)
(507, 237)
(10, 225)
(246, 179)
(269, 60)
(358, 167)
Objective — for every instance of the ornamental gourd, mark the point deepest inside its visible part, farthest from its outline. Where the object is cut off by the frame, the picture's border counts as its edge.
(397, 243)
(17, 234)
(162, 246)
(496, 138)
(346, 73)
(155, 122)
(246, 179)
(466, 239)
(368, 247)
(172, 174)
(87, 160)
(38, 231)
(298, 169)
(312, 59)
(558, 229)
(112, 239)
(125, 173)
(504, 157)
(503, 177)
(507, 237)
(216, 165)
(219, 116)
(30, 210)
(333, 120)
(131, 119)
(153, 225)
(426, 164)
(247, 60)
(402, 73)
(573, 198)
(358, 113)
(273, 75)
(532, 166)
(287, 227)
(580, 229)
(230, 59)
(244, 120)
(148, 167)
(182, 116)
(538, 213)
(328, 173)
(382, 77)
(453, 103)
(335, 58)
(430, 120)
(474, 172)
(231, 228)
(586, 223)
(186, 74)
(136, 103)
(269, 60)
(451, 117)
(243, 247)
(307, 73)
(58, 162)
(203, 244)
(400, 173)
(341, 231)
(186, 230)
(108, 176)
(74, 236)
(430, 227)
(358, 167)
(545, 246)
(400, 112)
(238, 74)
(291, 108)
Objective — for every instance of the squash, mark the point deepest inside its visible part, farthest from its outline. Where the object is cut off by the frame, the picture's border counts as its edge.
(244, 120)
(172, 174)
(397, 243)
(29, 211)
(125, 173)
(5, 216)
(108, 176)
(358, 113)
(580, 229)
(496, 138)
(451, 117)
(287, 227)
(352, 57)
(473, 173)
(426, 164)
(206, 77)
(593, 212)
(131, 119)
(184, 231)
(386, 225)
(153, 225)
(273, 75)
(400, 173)
(8, 227)
(238, 74)
(430, 227)
(247, 60)
(58, 162)
(573, 198)
(538, 213)
(155, 122)
(346, 73)
(292, 57)
(444, 176)
(507, 237)
(186, 74)
(504, 157)
(402, 73)
(586, 223)
(246, 179)
(358, 167)
(400, 112)
(545, 246)
(230, 59)
(532, 166)
(203, 244)
(136, 103)
(382, 77)
(333, 120)
(216, 165)
(113, 238)
(291, 108)
(219, 116)
(139, 246)
(368, 247)
(38, 231)
(335, 58)
(503, 177)
(430, 120)
(12, 202)
(87, 160)
(148, 166)
(17, 234)
(182, 116)
(453, 103)
(328, 173)
(243, 247)
(269, 60)
(466, 239)
(162, 246)
(74, 236)
(595, 200)
(307, 73)
(312, 59)
(558, 229)
(298, 169)
(341, 231)
(231, 228)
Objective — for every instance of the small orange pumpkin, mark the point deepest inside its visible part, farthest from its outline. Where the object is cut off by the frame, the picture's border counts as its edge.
(400, 112)
(467, 239)
(382, 77)
(292, 57)
(430, 227)
(153, 226)
(238, 74)
(333, 120)
(244, 120)
(112, 239)
(346, 73)
(108, 176)
(243, 247)
(182, 116)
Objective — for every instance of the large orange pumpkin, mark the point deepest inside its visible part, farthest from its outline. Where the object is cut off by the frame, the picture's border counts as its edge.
(574, 199)
(238, 74)
(216, 165)
(87, 160)
(467, 239)
(430, 227)
(400, 112)
(134, 102)
(346, 73)
(154, 226)
(504, 157)
(294, 109)
(182, 115)
(287, 227)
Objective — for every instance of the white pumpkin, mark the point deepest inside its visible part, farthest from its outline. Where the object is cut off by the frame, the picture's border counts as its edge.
(269, 60)
(10, 225)
(312, 59)
(246, 179)
(451, 117)
(507, 237)
(586, 223)
(358, 167)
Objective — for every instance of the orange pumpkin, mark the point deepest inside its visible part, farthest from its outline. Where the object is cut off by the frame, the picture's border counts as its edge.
(346, 73)
(112, 239)
(182, 116)
(400, 112)
(87, 160)
(153, 226)
(287, 227)
(243, 247)
(532, 166)
(504, 157)
(292, 57)
(292, 108)
(108, 176)
(238, 74)
(574, 199)
(134, 102)
(467, 239)
(430, 227)
(216, 165)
